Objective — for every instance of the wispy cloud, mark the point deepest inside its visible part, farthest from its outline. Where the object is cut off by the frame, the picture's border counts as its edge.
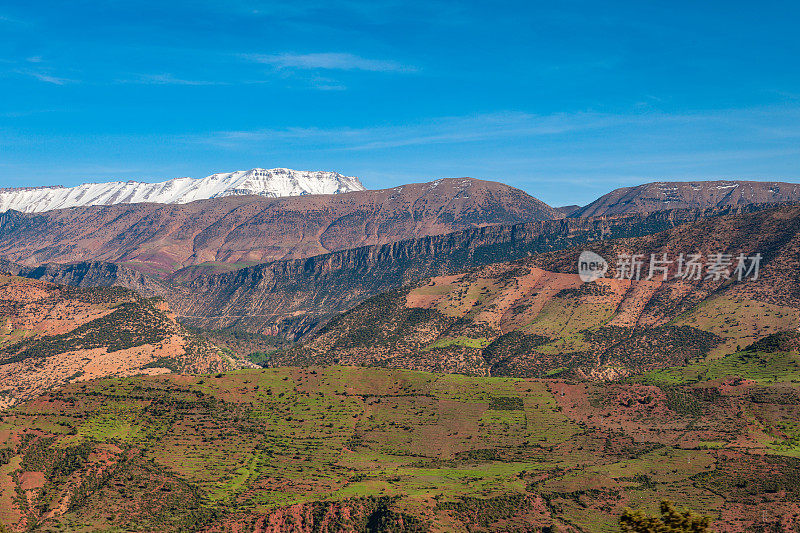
(583, 143)
(328, 61)
(443, 130)
(167, 79)
(36, 67)
(45, 77)
(5, 19)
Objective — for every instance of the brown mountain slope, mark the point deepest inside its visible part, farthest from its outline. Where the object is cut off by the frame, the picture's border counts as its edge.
(689, 194)
(50, 335)
(9, 267)
(162, 238)
(535, 317)
(567, 210)
(294, 297)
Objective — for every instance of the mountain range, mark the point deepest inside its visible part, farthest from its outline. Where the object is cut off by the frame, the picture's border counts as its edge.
(294, 297)
(285, 266)
(235, 231)
(683, 194)
(434, 362)
(271, 183)
(536, 318)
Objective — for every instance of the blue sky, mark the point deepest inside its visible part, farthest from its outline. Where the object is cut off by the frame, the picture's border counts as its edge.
(565, 100)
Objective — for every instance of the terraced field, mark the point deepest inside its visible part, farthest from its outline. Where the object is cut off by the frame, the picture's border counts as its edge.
(370, 449)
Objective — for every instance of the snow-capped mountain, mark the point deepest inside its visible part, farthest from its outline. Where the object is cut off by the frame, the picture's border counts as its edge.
(259, 181)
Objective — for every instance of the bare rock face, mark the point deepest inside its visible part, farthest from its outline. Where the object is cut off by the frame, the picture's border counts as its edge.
(663, 195)
(536, 318)
(234, 231)
(97, 274)
(9, 267)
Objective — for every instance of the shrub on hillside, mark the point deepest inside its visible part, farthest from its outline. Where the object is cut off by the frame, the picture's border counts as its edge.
(671, 521)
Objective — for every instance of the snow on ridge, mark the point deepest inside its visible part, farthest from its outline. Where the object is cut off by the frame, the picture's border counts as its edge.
(273, 183)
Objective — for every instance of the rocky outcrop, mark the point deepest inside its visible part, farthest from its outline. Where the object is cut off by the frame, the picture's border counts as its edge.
(99, 274)
(346, 516)
(10, 267)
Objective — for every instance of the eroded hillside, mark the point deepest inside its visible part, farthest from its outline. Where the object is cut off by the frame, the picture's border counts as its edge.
(535, 317)
(231, 232)
(51, 335)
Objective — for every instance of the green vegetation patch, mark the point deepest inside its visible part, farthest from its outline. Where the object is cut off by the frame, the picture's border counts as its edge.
(762, 367)
(739, 321)
(385, 448)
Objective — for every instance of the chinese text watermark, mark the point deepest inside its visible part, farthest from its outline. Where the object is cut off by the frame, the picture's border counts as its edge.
(663, 266)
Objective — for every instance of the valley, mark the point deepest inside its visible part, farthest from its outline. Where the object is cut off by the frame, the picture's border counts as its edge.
(293, 298)
(454, 381)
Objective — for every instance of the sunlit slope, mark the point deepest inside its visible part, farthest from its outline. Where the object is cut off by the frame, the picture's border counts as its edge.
(51, 334)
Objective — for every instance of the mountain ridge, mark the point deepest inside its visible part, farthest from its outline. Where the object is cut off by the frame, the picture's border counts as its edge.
(534, 317)
(276, 182)
(294, 297)
(162, 238)
(659, 195)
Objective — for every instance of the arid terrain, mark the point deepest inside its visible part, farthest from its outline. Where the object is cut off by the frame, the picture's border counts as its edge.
(51, 335)
(536, 318)
(293, 298)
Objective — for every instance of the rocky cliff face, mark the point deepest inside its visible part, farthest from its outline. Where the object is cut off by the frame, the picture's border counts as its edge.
(10, 267)
(98, 274)
(663, 195)
(241, 230)
(294, 297)
(535, 317)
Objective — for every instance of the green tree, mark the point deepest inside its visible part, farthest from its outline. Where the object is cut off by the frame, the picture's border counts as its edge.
(671, 521)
